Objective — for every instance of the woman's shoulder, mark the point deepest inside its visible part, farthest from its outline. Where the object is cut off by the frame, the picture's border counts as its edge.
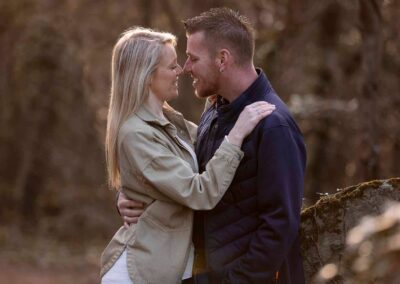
(134, 127)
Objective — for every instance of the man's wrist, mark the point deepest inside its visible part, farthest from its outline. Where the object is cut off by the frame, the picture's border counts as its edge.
(116, 200)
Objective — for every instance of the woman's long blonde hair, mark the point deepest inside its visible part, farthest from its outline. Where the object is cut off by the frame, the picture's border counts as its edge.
(135, 57)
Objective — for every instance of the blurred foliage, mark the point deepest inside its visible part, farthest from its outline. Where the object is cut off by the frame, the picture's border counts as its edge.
(335, 62)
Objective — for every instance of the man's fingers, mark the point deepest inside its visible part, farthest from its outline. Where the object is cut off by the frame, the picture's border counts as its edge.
(130, 204)
(130, 220)
(126, 212)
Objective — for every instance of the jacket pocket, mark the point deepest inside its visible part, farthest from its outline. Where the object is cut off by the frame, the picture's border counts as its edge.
(169, 216)
(157, 255)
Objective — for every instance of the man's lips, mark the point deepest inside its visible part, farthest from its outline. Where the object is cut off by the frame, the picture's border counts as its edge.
(195, 81)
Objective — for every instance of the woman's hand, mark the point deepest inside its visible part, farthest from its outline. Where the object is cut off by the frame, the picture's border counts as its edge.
(248, 120)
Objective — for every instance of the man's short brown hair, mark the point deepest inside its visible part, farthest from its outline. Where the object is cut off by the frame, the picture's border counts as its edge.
(223, 26)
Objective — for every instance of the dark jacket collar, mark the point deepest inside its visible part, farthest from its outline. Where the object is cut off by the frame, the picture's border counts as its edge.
(255, 92)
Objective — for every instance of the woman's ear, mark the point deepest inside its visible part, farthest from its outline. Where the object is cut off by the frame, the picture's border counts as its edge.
(150, 81)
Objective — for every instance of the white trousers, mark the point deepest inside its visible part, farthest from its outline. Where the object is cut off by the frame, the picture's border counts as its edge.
(118, 274)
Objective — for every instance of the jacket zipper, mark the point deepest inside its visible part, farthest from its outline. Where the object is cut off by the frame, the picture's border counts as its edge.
(277, 276)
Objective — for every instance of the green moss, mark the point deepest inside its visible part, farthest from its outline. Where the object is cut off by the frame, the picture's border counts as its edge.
(395, 182)
(332, 205)
(335, 201)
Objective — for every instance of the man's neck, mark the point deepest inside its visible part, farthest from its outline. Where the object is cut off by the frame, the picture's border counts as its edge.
(238, 81)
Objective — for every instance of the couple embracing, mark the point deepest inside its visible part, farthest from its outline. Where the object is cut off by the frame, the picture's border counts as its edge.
(220, 201)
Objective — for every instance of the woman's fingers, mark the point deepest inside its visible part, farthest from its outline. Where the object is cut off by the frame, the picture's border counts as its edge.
(259, 110)
(248, 120)
(259, 104)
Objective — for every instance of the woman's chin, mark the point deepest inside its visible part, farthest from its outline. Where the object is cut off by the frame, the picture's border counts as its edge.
(176, 95)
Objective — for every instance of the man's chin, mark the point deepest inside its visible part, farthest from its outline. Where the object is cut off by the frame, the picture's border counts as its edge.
(202, 95)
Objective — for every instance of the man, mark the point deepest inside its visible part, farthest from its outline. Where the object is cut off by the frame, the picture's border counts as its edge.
(252, 235)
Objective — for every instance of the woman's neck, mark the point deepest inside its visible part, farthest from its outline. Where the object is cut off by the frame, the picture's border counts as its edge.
(154, 105)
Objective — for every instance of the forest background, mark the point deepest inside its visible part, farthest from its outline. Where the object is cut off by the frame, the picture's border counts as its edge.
(336, 63)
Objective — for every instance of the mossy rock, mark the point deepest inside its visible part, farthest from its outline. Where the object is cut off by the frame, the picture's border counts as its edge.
(325, 225)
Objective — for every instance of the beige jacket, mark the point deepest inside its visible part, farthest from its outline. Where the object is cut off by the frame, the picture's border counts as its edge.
(158, 170)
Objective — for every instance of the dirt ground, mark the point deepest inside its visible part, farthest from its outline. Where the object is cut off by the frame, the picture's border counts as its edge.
(29, 257)
(29, 274)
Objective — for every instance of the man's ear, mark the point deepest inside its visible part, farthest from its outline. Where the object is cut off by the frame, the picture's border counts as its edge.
(223, 59)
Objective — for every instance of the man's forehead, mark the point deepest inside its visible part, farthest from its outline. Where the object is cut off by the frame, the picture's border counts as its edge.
(196, 36)
(195, 42)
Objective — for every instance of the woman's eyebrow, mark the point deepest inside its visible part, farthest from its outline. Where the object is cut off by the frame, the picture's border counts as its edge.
(173, 60)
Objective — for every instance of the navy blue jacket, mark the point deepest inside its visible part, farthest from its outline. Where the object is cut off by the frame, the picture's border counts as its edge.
(252, 235)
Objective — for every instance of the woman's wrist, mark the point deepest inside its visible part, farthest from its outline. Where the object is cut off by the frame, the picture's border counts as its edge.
(234, 138)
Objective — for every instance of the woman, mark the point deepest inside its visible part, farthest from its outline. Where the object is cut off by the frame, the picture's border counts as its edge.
(150, 157)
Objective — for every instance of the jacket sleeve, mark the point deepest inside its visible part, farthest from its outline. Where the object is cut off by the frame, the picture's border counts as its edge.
(164, 172)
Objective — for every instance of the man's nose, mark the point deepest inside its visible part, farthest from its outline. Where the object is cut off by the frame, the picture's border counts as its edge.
(186, 66)
(179, 70)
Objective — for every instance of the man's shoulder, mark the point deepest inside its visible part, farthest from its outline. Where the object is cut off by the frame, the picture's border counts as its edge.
(277, 118)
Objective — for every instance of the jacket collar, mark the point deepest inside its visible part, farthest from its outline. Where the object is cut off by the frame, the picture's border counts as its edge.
(172, 123)
(171, 115)
(257, 91)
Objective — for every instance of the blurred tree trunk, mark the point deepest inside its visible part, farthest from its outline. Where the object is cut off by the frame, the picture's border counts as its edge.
(288, 45)
(54, 134)
(329, 85)
(371, 53)
(317, 158)
(36, 69)
(295, 16)
(10, 29)
(29, 180)
(147, 12)
(394, 107)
